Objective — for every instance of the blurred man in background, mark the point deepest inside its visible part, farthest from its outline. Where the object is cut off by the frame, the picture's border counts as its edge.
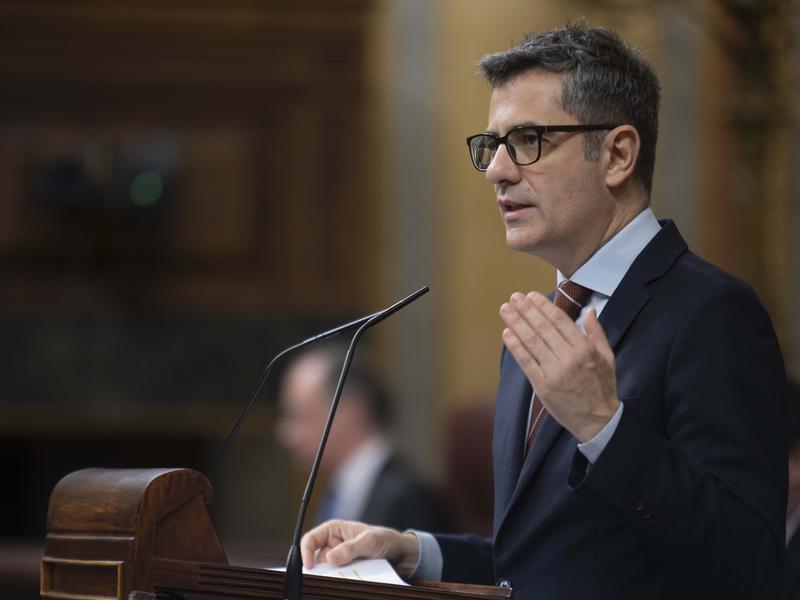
(367, 481)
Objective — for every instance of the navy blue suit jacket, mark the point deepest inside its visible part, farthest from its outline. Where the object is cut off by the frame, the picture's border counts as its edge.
(688, 498)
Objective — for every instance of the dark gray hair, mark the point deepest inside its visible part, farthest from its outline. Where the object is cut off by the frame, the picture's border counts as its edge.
(608, 81)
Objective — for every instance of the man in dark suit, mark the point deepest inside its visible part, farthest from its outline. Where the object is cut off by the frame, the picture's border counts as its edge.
(638, 443)
(366, 480)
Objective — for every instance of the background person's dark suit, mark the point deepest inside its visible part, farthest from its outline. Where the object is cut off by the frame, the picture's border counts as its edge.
(400, 500)
(790, 587)
(688, 498)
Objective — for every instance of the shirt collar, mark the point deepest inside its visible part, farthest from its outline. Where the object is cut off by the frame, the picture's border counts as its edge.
(364, 462)
(608, 265)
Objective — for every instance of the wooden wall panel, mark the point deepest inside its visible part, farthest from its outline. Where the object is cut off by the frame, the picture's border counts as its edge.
(133, 332)
(245, 98)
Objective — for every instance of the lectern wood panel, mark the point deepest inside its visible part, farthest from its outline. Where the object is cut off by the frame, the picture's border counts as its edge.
(95, 579)
(198, 581)
(114, 531)
(98, 518)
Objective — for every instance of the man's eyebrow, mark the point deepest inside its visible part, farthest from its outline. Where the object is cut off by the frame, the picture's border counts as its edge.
(517, 126)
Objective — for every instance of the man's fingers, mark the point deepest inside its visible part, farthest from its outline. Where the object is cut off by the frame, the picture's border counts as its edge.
(557, 318)
(349, 551)
(307, 555)
(513, 313)
(545, 330)
(524, 358)
(316, 543)
(311, 543)
(595, 333)
(524, 320)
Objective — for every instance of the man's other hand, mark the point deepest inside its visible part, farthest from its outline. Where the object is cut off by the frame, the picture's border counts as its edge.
(340, 542)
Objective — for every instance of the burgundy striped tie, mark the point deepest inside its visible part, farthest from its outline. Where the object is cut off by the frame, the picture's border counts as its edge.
(571, 298)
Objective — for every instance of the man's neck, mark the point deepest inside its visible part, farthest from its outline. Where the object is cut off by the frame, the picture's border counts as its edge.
(585, 251)
(356, 440)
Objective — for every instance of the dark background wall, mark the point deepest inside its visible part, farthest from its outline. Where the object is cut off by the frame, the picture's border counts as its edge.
(177, 202)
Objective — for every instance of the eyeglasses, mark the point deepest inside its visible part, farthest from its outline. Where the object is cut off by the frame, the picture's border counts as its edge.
(524, 143)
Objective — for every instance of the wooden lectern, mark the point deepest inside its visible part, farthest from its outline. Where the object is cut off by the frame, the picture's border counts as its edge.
(130, 534)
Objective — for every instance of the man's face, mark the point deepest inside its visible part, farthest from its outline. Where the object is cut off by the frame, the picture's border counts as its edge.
(305, 399)
(556, 208)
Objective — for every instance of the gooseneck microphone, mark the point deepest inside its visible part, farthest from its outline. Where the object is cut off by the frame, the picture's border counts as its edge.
(294, 563)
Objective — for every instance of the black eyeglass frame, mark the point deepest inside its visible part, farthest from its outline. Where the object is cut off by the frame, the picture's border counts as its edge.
(540, 131)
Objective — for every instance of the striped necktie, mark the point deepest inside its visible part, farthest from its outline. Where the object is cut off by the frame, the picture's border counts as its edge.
(571, 298)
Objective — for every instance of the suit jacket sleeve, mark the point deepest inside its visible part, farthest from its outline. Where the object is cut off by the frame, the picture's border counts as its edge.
(467, 558)
(709, 491)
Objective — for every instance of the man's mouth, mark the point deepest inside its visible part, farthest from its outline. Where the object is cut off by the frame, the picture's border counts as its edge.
(509, 206)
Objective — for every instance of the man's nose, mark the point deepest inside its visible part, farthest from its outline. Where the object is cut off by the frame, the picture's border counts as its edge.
(502, 168)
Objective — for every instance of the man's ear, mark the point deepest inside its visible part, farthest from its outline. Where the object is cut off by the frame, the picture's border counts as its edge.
(621, 151)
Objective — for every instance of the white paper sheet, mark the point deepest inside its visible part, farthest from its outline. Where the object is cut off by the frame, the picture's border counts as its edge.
(376, 570)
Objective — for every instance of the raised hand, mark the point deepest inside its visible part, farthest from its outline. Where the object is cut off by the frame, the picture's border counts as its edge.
(573, 374)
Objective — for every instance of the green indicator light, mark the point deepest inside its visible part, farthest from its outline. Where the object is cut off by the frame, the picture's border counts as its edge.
(146, 188)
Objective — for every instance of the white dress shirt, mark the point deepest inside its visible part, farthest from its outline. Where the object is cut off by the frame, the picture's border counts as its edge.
(354, 480)
(601, 273)
(791, 524)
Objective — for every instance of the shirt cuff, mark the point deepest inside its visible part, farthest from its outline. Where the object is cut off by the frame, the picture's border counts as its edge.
(429, 564)
(595, 446)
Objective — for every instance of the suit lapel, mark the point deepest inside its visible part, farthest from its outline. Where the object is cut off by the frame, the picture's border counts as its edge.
(622, 308)
(631, 294)
(620, 311)
(513, 401)
(547, 436)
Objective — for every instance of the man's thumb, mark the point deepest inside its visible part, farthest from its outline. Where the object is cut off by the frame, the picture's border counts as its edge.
(594, 331)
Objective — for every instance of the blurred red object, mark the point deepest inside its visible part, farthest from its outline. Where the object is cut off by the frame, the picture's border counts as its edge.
(468, 482)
